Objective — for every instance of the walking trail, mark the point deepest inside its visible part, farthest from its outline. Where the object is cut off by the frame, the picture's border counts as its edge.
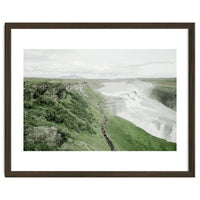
(104, 131)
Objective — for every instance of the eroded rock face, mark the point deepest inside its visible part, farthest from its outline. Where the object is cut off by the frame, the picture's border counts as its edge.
(49, 135)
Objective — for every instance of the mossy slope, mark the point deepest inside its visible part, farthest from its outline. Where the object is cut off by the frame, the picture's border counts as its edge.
(70, 107)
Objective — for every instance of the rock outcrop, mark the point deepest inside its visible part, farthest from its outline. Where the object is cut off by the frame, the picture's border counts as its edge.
(48, 135)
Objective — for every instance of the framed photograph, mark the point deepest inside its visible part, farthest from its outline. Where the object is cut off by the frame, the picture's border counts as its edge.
(99, 99)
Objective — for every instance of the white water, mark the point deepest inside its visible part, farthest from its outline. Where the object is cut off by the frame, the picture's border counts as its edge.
(132, 102)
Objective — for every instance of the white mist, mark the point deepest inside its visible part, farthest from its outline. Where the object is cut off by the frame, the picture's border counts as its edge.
(132, 102)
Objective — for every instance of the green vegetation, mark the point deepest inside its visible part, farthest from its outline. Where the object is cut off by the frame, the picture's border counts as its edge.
(49, 104)
(62, 115)
(128, 137)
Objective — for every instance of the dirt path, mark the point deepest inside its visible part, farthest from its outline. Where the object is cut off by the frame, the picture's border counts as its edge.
(104, 131)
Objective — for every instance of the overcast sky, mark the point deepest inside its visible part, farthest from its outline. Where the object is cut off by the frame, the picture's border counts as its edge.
(55, 63)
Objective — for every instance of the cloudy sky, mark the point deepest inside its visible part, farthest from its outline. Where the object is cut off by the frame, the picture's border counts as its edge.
(55, 63)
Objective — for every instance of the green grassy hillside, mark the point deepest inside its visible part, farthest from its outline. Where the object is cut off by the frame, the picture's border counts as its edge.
(134, 138)
(63, 115)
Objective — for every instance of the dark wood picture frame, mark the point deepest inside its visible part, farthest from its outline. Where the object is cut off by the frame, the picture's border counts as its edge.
(191, 97)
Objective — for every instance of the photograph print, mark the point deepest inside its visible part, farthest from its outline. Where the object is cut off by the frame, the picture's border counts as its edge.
(99, 100)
